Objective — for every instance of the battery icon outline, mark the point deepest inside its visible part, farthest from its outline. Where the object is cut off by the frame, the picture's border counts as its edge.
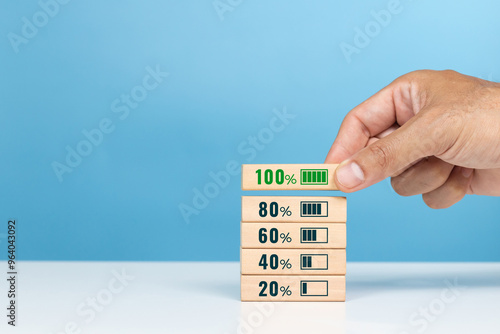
(314, 208)
(306, 261)
(310, 235)
(304, 286)
(314, 177)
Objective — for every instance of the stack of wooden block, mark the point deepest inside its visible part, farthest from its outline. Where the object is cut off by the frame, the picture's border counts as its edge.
(293, 248)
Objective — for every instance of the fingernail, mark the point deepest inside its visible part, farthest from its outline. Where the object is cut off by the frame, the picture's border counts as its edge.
(467, 172)
(350, 175)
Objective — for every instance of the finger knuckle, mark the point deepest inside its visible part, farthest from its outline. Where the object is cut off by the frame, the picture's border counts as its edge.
(446, 129)
(417, 74)
(449, 73)
(381, 155)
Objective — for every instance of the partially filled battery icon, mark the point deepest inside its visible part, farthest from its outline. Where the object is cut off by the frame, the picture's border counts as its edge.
(313, 176)
(313, 209)
(313, 261)
(314, 288)
(314, 235)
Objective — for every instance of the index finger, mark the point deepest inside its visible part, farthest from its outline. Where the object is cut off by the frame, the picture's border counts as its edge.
(391, 105)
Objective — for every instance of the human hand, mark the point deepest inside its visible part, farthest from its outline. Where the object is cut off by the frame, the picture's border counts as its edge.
(436, 133)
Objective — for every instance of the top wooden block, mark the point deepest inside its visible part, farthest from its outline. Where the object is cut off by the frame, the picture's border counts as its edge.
(288, 177)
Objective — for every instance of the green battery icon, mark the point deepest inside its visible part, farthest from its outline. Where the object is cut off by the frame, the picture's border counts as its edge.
(313, 176)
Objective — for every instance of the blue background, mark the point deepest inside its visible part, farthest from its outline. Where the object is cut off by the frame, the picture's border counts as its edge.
(225, 79)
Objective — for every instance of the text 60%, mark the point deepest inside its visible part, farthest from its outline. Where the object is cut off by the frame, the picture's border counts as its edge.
(272, 236)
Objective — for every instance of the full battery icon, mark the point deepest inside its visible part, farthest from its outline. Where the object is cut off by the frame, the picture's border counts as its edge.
(314, 288)
(314, 235)
(313, 209)
(313, 261)
(313, 176)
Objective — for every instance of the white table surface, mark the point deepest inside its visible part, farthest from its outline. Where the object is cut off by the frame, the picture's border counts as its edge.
(194, 297)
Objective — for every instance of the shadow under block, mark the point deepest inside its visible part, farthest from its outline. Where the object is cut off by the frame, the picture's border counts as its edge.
(293, 209)
(293, 288)
(293, 261)
(288, 177)
(293, 235)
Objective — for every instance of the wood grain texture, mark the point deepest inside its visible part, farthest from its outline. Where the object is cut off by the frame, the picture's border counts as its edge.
(293, 235)
(292, 288)
(293, 261)
(293, 177)
(293, 209)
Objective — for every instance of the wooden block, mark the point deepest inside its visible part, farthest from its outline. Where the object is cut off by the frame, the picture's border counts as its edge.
(293, 209)
(293, 261)
(292, 288)
(293, 235)
(288, 177)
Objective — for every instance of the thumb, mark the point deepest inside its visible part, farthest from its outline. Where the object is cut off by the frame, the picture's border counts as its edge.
(387, 156)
